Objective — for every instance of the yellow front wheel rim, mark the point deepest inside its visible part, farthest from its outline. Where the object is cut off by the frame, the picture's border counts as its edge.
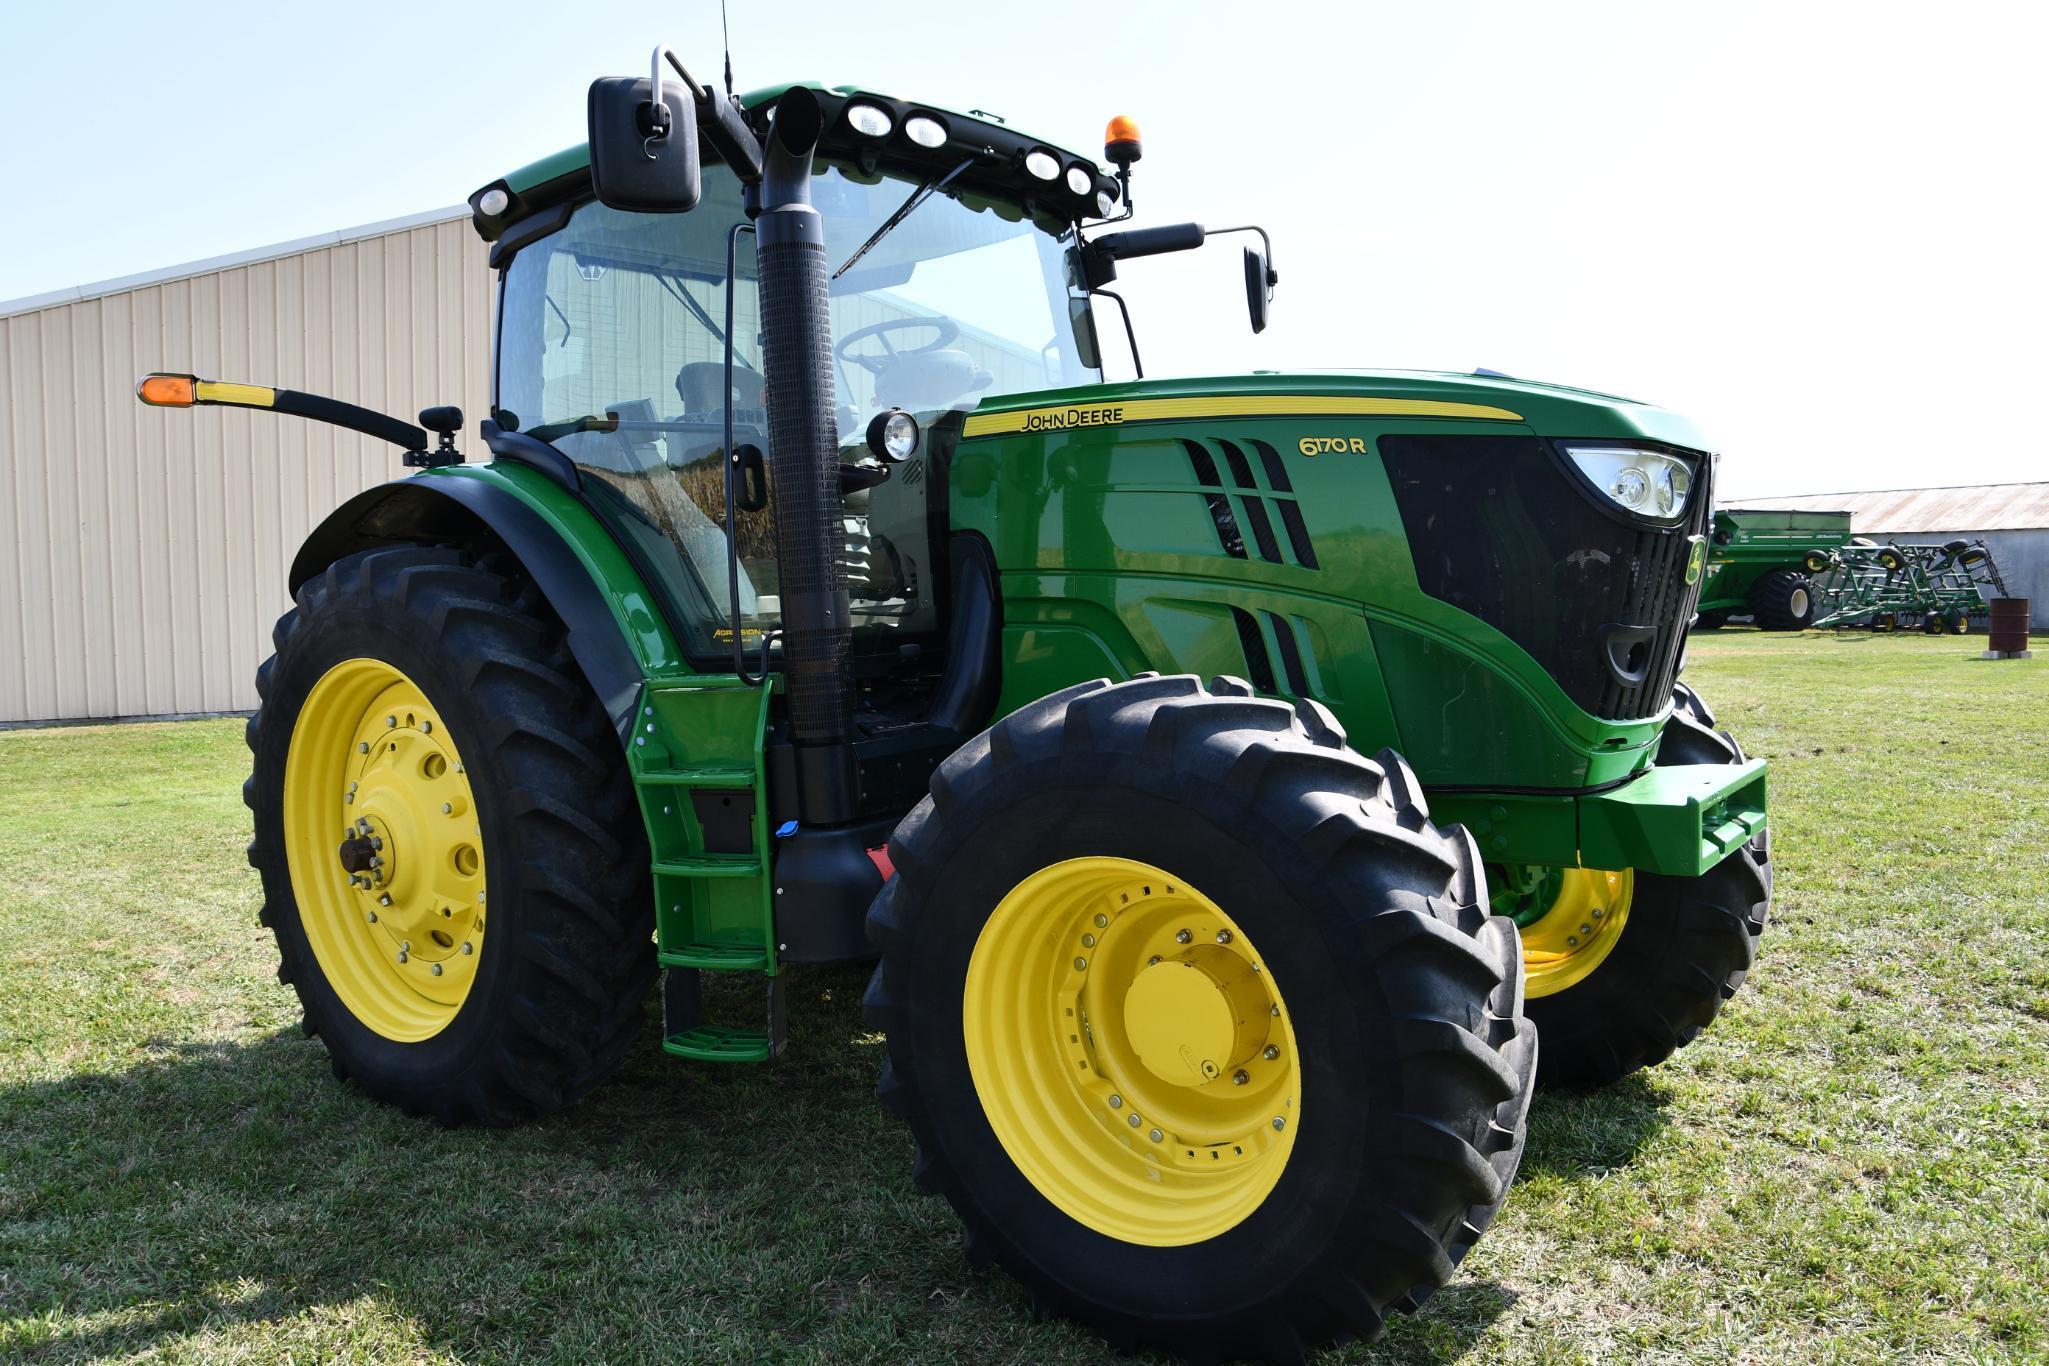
(385, 851)
(1579, 930)
(1132, 1051)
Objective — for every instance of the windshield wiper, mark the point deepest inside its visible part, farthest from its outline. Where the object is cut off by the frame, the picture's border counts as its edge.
(918, 196)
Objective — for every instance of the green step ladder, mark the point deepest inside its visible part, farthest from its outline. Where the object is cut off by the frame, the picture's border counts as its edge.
(697, 760)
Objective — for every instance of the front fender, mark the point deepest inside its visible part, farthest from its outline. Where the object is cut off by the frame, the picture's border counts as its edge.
(615, 630)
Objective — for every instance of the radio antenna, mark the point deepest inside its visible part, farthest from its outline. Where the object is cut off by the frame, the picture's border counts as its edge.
(727, 25)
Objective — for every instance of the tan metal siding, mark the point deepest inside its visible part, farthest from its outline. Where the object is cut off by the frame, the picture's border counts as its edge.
(143, 552)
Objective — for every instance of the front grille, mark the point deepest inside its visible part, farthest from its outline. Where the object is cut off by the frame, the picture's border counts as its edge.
(1500, 528)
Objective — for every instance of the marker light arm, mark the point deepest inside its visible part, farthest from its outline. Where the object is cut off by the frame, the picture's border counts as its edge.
(187, 391)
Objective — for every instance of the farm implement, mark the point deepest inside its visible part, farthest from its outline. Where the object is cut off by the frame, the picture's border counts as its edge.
(1905, 586)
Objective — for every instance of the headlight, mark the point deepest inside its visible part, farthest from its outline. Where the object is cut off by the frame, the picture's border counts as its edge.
(893, 435)
(869, 120)
(1043, 164)
(1649, 483)
(1079, 180)
(925, 130)
(1105, 203)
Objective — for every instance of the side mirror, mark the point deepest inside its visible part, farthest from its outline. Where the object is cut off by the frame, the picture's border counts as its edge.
(1259, 286)
(644, 153)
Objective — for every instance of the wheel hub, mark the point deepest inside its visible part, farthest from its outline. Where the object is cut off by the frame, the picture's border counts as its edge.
(395, 913)
(1193, 1017)
(1131, 1051)
(1570, 919)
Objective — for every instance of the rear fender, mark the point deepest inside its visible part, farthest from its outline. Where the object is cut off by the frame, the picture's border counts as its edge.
(615, 631)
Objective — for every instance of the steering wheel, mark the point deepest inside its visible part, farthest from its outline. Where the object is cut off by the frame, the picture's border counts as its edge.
(947, 328)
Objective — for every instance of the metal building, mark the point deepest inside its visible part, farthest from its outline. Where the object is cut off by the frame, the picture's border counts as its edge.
(143, 553)
(2012, 519)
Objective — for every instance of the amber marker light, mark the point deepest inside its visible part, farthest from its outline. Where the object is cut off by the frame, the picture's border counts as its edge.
(168, 391)
(1120, 141)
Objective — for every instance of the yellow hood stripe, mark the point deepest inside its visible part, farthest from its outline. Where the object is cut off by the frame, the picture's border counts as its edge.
(1067, 416)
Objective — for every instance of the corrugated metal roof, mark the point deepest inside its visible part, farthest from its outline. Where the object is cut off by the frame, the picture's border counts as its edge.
(122, 284)
(1967, 507)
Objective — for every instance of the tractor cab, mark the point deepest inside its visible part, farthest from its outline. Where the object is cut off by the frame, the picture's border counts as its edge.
(612, 349)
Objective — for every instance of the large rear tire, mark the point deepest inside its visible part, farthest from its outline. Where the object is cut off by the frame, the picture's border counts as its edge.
(1783, 600)
(1175, 1137)
(1625, 967)
(424, 735)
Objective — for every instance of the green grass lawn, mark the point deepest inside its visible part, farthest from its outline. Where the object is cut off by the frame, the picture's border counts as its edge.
(1852, 1164)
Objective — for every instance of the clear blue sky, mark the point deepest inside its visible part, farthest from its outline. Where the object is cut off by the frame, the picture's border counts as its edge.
(1817, 229)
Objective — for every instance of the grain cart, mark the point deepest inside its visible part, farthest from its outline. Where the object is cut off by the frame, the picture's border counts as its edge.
(1762, 564)
(1906, 585)
(821, 600)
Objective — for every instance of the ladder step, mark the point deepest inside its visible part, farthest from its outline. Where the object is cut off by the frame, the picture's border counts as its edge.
(710, 865)
(701, 777)
(717, 1043)
(716, 957)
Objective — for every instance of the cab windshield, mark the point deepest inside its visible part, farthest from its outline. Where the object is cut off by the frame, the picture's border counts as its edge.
(611, 348)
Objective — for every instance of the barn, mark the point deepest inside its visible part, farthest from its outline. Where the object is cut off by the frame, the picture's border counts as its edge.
(2012, 520)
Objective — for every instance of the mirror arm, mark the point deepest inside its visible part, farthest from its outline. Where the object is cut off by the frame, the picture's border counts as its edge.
(1273, 276)
(1130, 334)
(726, 127)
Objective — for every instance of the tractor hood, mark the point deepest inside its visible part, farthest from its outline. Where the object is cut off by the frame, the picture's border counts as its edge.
(1551, 410)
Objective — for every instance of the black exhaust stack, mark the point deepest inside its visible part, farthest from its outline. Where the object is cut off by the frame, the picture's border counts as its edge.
(804, 457)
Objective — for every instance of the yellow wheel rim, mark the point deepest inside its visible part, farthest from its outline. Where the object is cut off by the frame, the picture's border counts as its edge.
(386, 856)
(1131, 1051)
(1571, 938)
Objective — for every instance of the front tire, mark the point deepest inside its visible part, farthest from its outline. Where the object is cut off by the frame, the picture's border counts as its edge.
(1334, 1115)
(1622, 989)
(422, 715)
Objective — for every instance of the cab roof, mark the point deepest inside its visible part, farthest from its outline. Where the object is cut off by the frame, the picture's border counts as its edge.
(999, 153)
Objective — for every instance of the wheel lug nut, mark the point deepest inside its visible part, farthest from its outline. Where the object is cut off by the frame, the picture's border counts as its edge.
(1572, 941)
(1586, 929)
(1182, 936)
(363, 748)
(1223, 936)
(1152, 960)
(1088, 941)
(1275, 1010)
(447, 808)
(391, 723)
(373, 917)
(1279, 1123)
(402, 956)
(1240, 1077)
(426, 727)
(384, 900)
(1081, 965)
(1270, 1052)
(1116, 1102)
(435, 969)
(1102, 922)
(1156, 1135)
(466, 947)
(1136, 1121)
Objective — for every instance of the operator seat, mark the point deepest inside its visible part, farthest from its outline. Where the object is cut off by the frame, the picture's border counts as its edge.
(699, 382)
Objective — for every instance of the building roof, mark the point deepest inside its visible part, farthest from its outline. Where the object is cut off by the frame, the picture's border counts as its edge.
(122, 284)
(1966, 507)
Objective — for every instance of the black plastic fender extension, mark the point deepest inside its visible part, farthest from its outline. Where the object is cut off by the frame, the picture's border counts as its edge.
(482, 517)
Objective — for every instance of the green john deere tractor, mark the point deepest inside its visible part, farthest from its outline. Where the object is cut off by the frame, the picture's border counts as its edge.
(820, 601)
